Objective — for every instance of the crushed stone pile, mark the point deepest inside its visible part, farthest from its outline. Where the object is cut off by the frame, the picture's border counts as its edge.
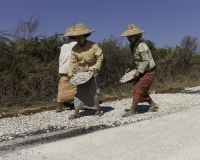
(127, 77)
(81, 77)
(22, 126)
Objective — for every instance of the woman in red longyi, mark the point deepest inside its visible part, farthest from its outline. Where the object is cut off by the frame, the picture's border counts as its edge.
(145, 66)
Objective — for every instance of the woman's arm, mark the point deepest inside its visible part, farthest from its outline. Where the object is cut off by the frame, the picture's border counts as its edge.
(73, 64)
(99, 57)
(143, 50)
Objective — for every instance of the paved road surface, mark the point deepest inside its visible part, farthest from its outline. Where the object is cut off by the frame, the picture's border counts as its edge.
(171, 137)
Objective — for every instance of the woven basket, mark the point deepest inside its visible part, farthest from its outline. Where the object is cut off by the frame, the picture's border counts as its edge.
(128, 77)
(81, 77)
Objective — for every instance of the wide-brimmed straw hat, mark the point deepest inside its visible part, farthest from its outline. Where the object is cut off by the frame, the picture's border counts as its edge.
(69, 31)
(131, 29)
(81, 29)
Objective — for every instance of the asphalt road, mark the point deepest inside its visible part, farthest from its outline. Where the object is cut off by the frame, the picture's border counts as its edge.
(171, 137)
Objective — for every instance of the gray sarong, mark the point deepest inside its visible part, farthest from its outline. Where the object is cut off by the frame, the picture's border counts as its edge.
(87, 94)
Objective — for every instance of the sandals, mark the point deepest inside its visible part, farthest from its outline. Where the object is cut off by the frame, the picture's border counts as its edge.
(127, 114)
(73, 116)
(153, 109)
(98, 113)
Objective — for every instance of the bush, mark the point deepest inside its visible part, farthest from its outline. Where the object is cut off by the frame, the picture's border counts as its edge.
(29, 67)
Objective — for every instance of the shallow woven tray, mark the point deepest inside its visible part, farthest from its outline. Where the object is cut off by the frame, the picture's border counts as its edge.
(81, 77)
(128, 76)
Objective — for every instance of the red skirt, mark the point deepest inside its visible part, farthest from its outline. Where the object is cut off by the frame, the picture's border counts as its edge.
(141, 87)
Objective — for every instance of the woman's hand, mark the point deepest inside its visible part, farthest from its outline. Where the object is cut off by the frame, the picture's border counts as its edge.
(127, 70)
(136, 75)
(93, 69)
(83, 69)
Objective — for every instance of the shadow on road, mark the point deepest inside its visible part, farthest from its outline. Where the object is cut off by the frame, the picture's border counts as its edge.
(88, 112)
(140, 108)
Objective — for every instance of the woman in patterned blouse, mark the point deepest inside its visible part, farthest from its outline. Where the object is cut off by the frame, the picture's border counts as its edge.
(86, 56)
(145, 69)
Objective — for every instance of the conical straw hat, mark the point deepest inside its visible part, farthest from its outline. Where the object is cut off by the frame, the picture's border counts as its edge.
(81, 29)
(131, 29)
(69, 31)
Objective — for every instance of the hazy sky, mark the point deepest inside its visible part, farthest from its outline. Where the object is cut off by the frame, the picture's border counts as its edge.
(165, 22)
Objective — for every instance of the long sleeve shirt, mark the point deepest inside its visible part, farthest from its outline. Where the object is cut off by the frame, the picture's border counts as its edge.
(88, 56)
(64, 58)
(142, 57)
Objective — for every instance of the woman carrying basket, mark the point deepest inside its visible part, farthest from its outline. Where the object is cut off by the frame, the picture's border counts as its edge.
(85, 56)
(145, 69)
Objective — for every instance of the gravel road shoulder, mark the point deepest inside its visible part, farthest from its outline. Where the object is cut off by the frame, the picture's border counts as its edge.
(19, 129)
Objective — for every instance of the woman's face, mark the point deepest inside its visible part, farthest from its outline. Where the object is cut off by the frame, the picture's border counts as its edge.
(80, 39)
(132, 38)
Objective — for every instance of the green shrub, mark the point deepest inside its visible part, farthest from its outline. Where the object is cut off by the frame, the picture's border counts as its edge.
(29, 67)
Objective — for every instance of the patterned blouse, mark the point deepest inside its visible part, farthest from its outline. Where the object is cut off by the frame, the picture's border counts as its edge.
(142, 57)
(88, 56)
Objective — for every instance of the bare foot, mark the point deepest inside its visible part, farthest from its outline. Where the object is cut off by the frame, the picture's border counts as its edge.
(153, 104)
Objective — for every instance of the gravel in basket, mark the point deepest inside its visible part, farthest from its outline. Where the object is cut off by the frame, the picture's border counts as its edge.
(128, 77)
(81, 77)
